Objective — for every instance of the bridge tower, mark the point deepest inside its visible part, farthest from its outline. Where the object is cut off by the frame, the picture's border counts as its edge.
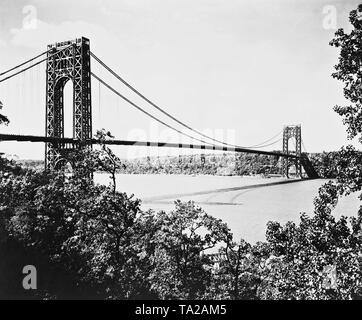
(67, 61)
(292, 131)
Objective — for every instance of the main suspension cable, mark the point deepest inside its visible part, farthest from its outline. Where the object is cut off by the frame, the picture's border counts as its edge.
(23, 70)
(270, 144)
(160, 109)
(261, 144)
(20, 65)
(33, 65)
(144, 111)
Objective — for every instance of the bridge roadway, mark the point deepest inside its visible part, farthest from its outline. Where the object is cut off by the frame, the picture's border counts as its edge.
(31, 138)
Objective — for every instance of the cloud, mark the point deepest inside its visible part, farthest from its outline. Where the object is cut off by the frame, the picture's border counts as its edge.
(43, 33)
(2, 44)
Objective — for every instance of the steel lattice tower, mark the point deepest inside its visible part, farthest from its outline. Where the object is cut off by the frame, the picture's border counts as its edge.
(293, 131)
(69, 60)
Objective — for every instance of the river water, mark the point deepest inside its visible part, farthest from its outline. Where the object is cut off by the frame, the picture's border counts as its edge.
(246, 204)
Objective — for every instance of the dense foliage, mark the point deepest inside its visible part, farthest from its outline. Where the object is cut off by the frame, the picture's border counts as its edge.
(241, 164)
(90, 241)
(210, 164)
(325, 163)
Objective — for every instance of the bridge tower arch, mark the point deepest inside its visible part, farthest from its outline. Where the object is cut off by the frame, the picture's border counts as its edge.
(67, 61)
(292, 131)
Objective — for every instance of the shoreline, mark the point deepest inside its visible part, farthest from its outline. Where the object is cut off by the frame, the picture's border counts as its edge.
(256, 176)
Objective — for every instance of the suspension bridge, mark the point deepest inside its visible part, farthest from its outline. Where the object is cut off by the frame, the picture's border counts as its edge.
(71, 60)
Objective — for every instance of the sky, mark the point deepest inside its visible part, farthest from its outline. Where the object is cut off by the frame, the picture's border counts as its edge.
(238, 70)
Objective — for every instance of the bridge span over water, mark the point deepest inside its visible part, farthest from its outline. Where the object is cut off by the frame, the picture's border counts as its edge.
(71, 61)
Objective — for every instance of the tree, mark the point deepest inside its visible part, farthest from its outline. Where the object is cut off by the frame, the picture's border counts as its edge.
(86, 236)
(181, 265)
(305, 250)
(107, 160)
(237, 273)
(3, 119)
(349, 71)
(326, 163)
(322, 242)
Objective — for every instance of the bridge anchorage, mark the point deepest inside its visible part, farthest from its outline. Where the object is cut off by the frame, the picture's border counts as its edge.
(71, 61)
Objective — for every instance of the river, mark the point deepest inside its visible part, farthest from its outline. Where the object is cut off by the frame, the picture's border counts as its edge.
(246, 204)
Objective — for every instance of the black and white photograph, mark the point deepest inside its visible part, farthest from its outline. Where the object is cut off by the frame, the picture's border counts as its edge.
(181, 154)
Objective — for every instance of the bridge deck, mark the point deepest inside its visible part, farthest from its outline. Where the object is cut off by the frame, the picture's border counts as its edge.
(31, 138)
